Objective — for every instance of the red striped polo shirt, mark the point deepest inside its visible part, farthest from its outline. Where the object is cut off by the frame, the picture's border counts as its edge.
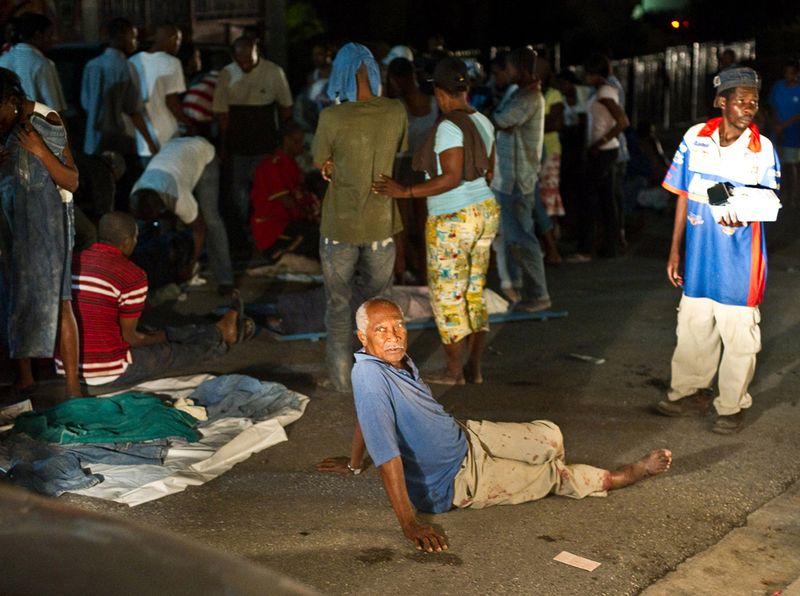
(199, 98)
(105, 286)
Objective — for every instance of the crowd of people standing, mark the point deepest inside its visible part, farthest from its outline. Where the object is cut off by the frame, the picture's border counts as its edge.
(507, 166)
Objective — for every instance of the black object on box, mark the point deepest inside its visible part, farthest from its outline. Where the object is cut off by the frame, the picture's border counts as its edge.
(720, 193)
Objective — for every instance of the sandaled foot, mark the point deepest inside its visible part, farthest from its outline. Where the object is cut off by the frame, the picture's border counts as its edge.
(656, 462)
(443, 378)
(245, 329)
(533, 305)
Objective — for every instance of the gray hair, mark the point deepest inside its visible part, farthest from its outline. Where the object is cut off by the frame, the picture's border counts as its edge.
(362, 317)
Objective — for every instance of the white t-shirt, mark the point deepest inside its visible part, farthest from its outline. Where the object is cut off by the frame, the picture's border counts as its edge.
(174, 171)
(601, 118)
(263, 85)
(160, 74)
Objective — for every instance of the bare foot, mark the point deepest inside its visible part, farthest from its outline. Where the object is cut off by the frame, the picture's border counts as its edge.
(227, 326)
(473, 375)
(656, 462)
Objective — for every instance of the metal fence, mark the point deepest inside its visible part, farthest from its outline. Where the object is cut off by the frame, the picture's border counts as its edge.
(674, 87)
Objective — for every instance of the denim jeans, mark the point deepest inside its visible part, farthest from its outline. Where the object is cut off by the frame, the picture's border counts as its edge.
(243, 168)
(219, 254)
(144, 452)
(45, 469)
(516, 216)
(185, 346)
(241, 396)
(55, 469)
(541, 219)
(341, 262)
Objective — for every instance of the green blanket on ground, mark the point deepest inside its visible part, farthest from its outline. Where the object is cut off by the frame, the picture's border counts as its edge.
(124, 418)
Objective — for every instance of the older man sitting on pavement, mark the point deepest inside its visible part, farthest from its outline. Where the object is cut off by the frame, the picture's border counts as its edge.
(109, 294)
(430, 461)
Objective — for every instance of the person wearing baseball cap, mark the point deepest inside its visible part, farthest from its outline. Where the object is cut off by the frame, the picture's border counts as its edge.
(725, 267)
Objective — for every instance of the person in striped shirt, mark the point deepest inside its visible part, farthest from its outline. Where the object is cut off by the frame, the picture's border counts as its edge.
(199, 97)
(109, 294)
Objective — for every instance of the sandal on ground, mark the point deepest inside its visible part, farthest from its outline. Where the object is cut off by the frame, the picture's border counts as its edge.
(442, 378)
(245, 329)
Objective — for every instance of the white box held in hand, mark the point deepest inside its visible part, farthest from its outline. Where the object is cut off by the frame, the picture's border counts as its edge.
(748, 204)
(754, 204)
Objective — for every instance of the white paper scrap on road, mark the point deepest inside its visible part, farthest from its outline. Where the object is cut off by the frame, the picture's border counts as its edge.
(575, 561)
(225, 443)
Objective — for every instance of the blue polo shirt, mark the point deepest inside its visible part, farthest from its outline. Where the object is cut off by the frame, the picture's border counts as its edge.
(727, 265)
(398, 416)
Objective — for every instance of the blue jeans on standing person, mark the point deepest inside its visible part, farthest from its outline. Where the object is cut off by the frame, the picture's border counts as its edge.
(372, 266)
(516, 216)
(242, 168)
(219, 254)
(541, 218)
(189, 345)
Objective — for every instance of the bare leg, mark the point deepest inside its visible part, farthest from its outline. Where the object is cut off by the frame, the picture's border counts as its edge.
(652, 464)
(68, 346)
(24, 374)
(475, 345)
(454, 372)
(551, 254)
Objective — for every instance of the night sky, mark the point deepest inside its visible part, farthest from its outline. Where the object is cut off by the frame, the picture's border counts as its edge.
(579, 25)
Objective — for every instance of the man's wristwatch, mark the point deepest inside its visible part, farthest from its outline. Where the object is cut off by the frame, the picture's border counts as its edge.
(355, 471)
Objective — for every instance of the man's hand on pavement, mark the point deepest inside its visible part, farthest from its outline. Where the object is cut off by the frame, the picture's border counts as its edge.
(335, 465)
(424, 537)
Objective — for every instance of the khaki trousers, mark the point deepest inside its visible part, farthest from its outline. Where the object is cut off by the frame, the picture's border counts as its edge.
(705, 327)
(509, 463)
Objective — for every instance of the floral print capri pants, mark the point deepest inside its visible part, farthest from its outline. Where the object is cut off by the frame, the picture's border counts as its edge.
(459, 249)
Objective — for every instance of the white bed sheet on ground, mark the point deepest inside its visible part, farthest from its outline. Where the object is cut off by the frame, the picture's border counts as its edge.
(225, 443)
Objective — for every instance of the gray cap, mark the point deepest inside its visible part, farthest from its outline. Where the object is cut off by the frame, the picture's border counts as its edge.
(736, 76)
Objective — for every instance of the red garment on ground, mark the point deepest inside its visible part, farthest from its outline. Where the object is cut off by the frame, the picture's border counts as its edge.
(277, 198)
(105, 287)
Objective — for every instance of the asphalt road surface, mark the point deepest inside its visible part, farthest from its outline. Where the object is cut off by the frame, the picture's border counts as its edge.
(339, 534)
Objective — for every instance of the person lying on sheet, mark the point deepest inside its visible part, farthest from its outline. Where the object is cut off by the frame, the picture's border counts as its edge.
(109, 293)
(432, 462)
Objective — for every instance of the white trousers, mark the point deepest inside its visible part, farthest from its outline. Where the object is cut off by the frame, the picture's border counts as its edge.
(705, 329)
